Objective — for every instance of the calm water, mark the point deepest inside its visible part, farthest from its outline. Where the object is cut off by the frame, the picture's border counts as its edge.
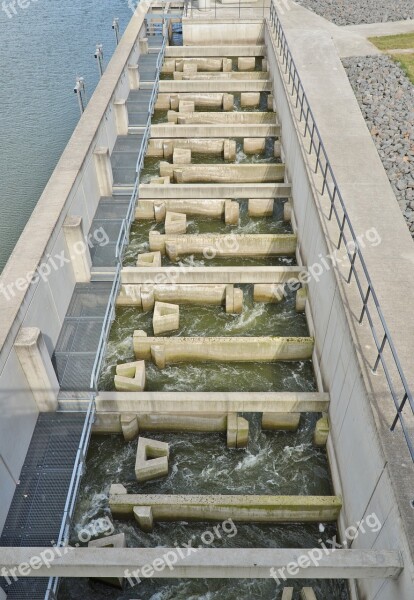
(42, 50)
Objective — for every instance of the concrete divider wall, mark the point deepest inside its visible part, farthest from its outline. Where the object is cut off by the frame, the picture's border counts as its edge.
(211, 32)
(361, 470)
(72, 190)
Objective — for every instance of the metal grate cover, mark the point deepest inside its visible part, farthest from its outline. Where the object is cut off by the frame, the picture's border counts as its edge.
(35, 514)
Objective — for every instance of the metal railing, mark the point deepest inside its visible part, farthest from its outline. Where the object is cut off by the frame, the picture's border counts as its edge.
(77, 473)
(126, 224)
(107, 322)
(380, 333)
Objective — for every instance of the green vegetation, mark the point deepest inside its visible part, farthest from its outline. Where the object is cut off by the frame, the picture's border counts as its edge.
(394, 42)
(398, 42)
(406, 62)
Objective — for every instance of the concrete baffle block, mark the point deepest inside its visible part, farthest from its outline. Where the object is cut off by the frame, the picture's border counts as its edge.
(149, 259)
(260, 207)
(175, 223)
(186, 106)
(254, 145)
(160, 211)
(182, 156)
(129, 426)
(321, 432)
(112, 541)
(174, 101)
(163, 180)
(143, 45)
(250, 99)
(264, 64)
(268, 292)
(130, 377)
(229, 150)
(231, 212)
(190, 68)
(80, 256)
(147, 299)
(280, 421)
(227, 65)
(301, 297)
(129, 295)
(103, 169)
(144, 518)
(287, 593)
(287, 211)
(270, 100)
(246, 63)
(35, 361)
(144, 210)
(121, 117)
(152, 459)
(133, 77)
(234, 300)
(228, 102)
(237, 431)
(168, 65)
(307, 593)
(166, 317)
(277, 149)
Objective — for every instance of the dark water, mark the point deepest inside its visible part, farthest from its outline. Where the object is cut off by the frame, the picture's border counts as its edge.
(42, 49)
(274, 463)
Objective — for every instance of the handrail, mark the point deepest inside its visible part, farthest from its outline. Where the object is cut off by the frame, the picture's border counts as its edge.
(107, 321)
(126, 224)
(73, 490)
(383, 340)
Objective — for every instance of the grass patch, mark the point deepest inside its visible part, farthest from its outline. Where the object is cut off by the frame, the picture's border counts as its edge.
(394, 42)
(406, 62)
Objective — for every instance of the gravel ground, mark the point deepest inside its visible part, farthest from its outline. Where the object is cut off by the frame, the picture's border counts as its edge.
(353, 12)
(386, 99)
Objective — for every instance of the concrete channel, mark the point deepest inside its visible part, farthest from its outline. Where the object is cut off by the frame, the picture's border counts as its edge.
(199, 367)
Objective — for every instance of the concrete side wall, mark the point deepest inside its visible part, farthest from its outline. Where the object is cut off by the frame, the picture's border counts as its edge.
(72, 190)
(213, 32)
(358, 463)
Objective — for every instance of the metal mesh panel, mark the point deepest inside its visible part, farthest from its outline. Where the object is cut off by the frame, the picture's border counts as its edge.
(36, 511)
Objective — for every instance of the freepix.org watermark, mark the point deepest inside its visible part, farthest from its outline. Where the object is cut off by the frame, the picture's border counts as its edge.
(102, 526)
(173, 555)
(12, 7)
(313, 557)
(53, 263)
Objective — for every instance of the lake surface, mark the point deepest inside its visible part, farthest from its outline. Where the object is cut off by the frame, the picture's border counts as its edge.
(42, 49)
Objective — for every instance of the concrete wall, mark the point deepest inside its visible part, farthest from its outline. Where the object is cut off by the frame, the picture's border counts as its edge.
(71, 190)
(213, 32)
(360, 467)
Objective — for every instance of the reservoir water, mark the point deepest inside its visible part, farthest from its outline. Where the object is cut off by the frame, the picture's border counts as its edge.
(42, 49)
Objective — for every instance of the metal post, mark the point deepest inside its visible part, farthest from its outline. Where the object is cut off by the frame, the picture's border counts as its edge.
(115, 27)
(79, 89)
(99, 58)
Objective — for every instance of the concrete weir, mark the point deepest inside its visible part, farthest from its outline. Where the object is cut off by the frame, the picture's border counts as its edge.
(257, 245)
(259, 509)
(257, 379)
(223, 349)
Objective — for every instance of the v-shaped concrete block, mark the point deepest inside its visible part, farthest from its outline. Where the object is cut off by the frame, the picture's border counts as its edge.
(152, 459)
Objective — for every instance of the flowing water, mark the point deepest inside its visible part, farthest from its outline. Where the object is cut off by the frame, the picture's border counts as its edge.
(200, 463)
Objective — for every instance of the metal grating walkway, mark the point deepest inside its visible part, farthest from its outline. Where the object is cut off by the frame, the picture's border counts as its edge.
(78, 341)
(35, 515)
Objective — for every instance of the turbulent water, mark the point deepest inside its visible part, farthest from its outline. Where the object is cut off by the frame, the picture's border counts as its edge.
(42, 49)
(273, 463)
